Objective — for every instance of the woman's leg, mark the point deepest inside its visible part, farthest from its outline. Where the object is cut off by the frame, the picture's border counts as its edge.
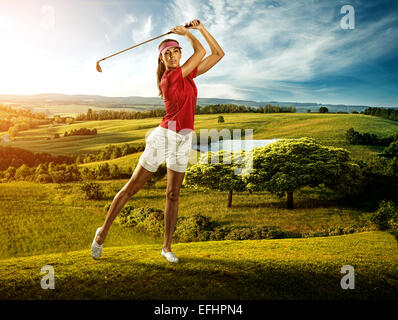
(138, 179)
(174, 181)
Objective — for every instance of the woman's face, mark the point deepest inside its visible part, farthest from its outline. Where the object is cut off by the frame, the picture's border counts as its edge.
(171, 58)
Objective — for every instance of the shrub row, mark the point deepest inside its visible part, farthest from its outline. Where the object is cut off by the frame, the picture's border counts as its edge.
(16, 157)
(354, 137)
(386, 217)
(202, 228)
(387, 113)
(80, 132)
(109, 152)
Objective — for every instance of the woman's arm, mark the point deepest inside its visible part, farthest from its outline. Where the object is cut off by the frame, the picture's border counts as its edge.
(197, 56)
(216, 52)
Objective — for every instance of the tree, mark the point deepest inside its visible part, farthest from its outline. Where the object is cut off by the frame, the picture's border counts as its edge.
(220, 119)
(89, 114)
(69, 120)
(216, 176)
(392, 149)
(10, 173)
(12, 132)
(92, 190)
(41, 169)
(323, 110)
(103, 171)
(58, 119)
(114, 171)
(290, 164)
(352, 136)
(22, 172)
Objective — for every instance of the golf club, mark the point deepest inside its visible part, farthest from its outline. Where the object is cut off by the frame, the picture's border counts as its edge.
(98, 67)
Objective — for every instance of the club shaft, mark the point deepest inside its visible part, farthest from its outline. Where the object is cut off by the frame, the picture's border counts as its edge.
(135, 46)
(98, 66)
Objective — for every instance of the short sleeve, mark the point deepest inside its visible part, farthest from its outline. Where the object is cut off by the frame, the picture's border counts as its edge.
(194, 72)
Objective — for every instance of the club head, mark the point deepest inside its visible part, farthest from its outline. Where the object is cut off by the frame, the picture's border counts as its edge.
(98, 67)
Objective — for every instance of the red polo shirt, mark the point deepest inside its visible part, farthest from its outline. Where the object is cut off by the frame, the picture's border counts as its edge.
(179, 96)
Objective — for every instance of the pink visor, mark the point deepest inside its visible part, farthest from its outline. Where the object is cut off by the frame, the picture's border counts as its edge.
(167, 45)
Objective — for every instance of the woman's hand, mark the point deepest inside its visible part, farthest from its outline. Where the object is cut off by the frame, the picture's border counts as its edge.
(181, 30)
(196, 24)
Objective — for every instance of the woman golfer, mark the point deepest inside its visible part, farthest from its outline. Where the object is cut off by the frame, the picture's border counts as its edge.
(171, 140)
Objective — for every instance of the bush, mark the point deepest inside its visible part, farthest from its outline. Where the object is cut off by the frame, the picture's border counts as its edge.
(393, 223)
(22, 172)
(154, 222)
(219, 233)
(386, 216)
(93, 190)
(392, 149)
(335, 231)
(354, 137)
(193, 228)
(202, 228)
(43, 178)
(57, 176)
(254, 233)
(144, 219)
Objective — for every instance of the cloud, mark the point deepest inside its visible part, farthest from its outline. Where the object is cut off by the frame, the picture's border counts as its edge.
(142, 31)
(113, 28)
(179, 12)
(284, 40)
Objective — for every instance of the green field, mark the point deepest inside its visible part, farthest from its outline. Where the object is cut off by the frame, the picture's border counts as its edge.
(251, 269)
(54, 224)
(49, 218)
(328, 129)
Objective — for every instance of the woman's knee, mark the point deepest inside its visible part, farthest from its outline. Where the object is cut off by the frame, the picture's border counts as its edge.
(172, 195)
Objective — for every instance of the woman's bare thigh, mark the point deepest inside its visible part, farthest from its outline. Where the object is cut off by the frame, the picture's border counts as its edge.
(138, 179)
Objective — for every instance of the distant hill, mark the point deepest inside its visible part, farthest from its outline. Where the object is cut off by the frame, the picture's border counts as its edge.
(146, 103)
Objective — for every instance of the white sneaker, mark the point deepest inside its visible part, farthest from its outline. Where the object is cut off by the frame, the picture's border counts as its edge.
(96, 249)
(170, 256)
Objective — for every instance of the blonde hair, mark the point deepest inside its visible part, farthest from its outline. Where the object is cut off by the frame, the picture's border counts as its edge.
(161, 67)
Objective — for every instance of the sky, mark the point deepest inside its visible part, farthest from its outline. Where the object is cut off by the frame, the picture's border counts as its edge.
(288, 50)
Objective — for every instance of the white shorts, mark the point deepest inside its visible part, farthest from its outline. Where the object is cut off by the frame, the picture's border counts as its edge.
(165, 144)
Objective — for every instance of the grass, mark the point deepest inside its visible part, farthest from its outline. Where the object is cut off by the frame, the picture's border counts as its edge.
(54, 224)
(39, 219)
(123, 163)
(328, 129)
(251, 269)
(48, 218)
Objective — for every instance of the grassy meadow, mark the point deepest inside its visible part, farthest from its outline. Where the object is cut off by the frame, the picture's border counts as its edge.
(249, 270)
(54, 224)
(328, 129)
(49, 218)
